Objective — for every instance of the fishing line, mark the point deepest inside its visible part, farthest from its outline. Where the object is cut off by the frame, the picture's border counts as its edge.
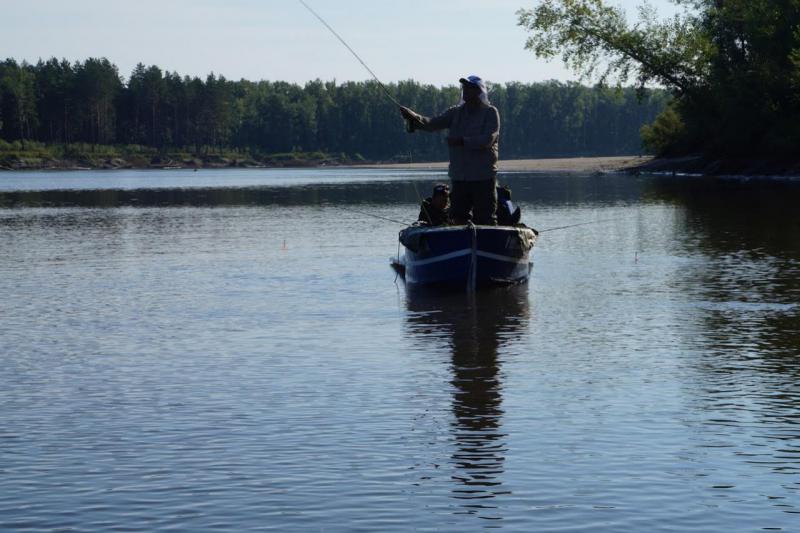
(382, 86)
(322, 20)
(421, 202)
(582, 224)
(370, 215)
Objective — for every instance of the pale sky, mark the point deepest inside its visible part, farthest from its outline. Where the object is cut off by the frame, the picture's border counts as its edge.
(431, 41)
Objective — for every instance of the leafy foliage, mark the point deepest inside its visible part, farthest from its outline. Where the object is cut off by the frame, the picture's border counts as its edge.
(734, 66)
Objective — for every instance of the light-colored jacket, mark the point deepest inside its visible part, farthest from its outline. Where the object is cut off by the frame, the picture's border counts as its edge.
(480, 128)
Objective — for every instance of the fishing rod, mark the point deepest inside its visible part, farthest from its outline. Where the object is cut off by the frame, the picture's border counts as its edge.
(537, 231)
(409, 126)
(382, 86)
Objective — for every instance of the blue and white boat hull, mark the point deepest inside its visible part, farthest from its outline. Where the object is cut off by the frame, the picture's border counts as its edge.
(466, 256)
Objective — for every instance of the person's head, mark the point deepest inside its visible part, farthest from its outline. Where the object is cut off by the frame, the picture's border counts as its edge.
(441, 195)
(473, 90)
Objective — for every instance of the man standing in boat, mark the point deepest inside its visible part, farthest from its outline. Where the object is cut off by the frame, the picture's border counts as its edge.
(473, 132)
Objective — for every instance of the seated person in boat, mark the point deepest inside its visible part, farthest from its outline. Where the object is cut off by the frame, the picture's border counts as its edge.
(473, 130)
(435, 210)
(507, 213)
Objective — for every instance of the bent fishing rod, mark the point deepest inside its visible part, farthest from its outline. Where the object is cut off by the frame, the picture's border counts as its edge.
(382, 86)
(409, 126)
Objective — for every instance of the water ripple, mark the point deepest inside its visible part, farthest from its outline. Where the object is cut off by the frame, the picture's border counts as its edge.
(248, 364)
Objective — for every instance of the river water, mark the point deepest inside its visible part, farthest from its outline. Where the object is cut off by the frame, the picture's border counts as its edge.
(230, 350)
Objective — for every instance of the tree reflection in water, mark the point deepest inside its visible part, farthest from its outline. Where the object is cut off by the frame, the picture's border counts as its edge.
(478, 326)
(745, 285)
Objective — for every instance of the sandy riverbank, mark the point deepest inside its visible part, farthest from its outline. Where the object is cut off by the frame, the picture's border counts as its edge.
(569, 165)
(582, 165)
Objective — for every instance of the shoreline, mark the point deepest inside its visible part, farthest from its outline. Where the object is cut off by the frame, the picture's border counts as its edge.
(591, 165)
(694, 165)
(601, 164)
(698, 165)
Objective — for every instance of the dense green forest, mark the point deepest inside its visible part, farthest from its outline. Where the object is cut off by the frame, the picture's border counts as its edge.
(62, 103)
(732, 65)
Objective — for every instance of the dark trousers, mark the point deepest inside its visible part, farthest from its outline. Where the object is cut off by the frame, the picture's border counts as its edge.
(475, 201)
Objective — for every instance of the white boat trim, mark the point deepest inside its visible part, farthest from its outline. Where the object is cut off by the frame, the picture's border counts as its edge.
(445, 257)
(462, 253)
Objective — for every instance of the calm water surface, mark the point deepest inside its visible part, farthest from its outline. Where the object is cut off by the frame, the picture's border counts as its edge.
(229, 350)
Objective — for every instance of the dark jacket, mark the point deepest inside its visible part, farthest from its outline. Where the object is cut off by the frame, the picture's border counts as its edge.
(432, 215)
(507, 213)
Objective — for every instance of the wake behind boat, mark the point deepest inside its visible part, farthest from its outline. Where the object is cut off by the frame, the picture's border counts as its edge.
(465, 256)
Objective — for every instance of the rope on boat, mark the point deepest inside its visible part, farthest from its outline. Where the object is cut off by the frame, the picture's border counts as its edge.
(473, 262)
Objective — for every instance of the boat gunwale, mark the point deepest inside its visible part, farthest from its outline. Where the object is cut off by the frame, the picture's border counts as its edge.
(466, 227)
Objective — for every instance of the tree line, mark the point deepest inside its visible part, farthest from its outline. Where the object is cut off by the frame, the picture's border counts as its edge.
(58, 101)
(733, 67)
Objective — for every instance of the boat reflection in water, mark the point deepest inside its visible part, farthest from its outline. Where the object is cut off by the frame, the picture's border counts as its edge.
(479, 326)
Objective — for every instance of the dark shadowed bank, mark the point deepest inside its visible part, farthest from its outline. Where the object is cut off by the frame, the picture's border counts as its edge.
(710, 166)
(38, 156)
